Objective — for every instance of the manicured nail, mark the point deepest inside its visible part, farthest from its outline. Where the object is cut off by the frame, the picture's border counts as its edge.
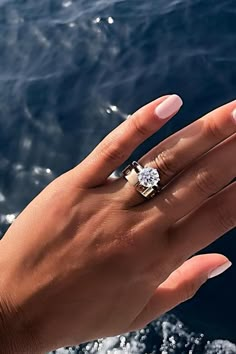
(234, 115)
(169, 107)
(219, 270)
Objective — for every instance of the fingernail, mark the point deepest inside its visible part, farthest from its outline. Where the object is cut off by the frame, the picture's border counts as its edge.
(169, 107)
(234, 115)
(219, 270)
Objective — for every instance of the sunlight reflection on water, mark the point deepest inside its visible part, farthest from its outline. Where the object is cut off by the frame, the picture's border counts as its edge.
(72, 71)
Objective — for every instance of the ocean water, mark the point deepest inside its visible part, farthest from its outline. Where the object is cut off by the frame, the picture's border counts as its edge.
(72, 70)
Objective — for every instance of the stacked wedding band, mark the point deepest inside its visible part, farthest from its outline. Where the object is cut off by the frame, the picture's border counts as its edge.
(144, 179)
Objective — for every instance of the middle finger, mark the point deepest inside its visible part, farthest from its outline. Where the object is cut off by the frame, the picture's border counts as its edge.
(175, 153)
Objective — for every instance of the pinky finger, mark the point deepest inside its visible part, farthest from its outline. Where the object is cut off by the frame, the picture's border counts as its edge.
(181, 285)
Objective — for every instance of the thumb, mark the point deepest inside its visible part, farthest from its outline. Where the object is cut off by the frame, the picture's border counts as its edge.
(181, 285)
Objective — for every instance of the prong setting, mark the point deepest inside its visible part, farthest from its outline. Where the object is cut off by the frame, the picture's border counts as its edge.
(149, 177)
(144, 179)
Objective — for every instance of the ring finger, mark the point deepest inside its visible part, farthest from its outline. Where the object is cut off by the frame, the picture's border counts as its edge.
(189, 190)
(175, 153)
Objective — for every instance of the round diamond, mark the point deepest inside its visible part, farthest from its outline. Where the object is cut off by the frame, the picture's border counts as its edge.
(149, 177)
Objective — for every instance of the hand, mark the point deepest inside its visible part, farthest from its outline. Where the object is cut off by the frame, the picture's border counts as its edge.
(90, 257)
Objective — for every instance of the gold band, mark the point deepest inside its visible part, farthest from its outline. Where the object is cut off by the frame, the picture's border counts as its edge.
(131, 174)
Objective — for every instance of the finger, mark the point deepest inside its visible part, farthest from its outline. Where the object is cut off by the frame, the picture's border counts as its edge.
(206, 224)
(181, 285)
(121, 142)
(194, 186)
(175, 153)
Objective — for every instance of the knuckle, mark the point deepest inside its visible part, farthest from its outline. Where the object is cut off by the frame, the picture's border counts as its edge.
(166, 164)
(185, 286)
(139, 128)
(213, 131)
(206, 182)
(113, 152)
(190, 289)
(224, 216)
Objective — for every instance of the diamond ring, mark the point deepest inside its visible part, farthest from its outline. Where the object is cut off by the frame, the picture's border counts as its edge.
(144, 179)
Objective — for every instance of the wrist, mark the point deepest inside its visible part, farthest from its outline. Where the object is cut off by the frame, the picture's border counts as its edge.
(15, 337)
(15, 331)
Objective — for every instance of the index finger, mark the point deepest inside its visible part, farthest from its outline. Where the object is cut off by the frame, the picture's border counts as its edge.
(121, 142)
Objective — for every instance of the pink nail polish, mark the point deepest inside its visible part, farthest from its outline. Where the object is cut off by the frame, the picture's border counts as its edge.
(234, 115)
(169, 107)
(220, 270)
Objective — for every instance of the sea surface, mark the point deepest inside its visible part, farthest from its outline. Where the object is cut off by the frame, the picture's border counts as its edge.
(72, 70)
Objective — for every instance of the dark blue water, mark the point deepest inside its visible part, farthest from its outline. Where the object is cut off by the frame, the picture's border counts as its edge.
(70, 71)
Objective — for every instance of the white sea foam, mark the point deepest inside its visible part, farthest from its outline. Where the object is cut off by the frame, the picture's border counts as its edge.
(166, 336)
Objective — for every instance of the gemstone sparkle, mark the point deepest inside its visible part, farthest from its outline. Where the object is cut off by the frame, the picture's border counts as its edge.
(149, 177)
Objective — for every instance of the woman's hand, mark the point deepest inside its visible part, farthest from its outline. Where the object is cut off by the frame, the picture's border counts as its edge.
(90, 257)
